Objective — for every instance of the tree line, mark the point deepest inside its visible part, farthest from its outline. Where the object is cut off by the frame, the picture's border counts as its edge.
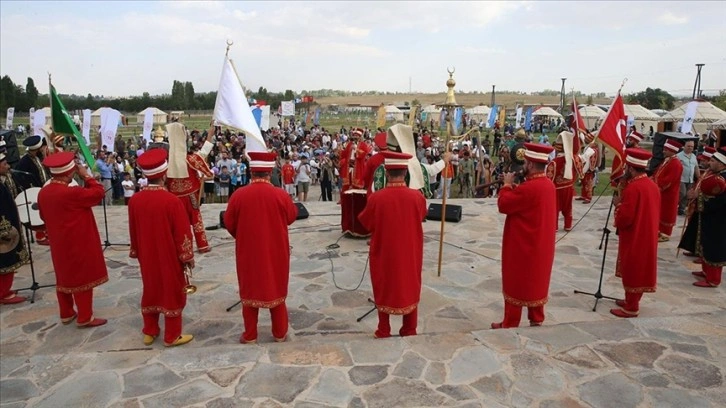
(183, 97)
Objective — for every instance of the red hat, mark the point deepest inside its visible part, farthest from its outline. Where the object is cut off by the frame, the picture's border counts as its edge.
(262, 162)
(153, 163)
(673, 145)
(708, 152)
(720, 155)
(636, 135)
(713, 186)
(395, 160)
(537, 153)
(60, 164)
(380, 141)
(356, 132)
(637, 158)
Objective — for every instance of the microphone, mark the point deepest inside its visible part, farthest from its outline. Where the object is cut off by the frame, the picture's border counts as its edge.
(20, 172)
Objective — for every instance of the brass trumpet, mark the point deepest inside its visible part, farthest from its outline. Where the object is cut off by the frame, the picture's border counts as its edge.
(189, 288)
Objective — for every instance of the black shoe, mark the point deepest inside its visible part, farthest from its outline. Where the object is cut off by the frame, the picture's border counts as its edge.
(681, 213)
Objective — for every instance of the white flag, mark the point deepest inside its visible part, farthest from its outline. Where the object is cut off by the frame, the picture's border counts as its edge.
(148, 124)
(689, 117)
(233, 110)
(519, 117)
(38, 123)
(86, 128)
(31, 116)
(288, 108)
(109, 125)
(9, 120)
(265, 121)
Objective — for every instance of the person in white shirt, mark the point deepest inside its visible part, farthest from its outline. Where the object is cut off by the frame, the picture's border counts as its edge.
(143, 182)
(128, 186)
(303, 178)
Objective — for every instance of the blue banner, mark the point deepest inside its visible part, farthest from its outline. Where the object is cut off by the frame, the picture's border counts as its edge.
(493, 114)
(442, 119)
(257, 113)
(316, 121)
(458, 113)
(528, 119)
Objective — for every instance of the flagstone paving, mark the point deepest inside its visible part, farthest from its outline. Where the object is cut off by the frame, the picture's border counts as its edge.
(673, 355)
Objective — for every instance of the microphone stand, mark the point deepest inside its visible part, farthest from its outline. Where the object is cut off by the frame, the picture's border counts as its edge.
(35, 285)
(106, 243)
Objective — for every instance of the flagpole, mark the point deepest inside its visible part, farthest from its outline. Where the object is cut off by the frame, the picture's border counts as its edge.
(450, 104)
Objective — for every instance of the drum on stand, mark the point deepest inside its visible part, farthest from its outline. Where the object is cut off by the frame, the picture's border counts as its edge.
(29, 208)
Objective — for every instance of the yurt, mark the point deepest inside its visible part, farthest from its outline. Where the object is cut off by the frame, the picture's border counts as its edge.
(479, 113)
(159, 116)
(592, 115)
(393, 113)
(706, 114)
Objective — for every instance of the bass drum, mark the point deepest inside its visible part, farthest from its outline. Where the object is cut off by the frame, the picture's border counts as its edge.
(27, 203)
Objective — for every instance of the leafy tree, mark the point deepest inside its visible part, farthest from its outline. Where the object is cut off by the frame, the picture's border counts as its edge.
(289, 95)
(652, 99)
(189, 96)
(589, 99)
(31, 93)
(8, 92)
(177, 94)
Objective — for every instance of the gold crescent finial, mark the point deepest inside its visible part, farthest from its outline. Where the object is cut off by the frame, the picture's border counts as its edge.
(229, 44)
(451, 70)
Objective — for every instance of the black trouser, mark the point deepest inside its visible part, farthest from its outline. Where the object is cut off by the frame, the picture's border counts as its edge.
(326, 190)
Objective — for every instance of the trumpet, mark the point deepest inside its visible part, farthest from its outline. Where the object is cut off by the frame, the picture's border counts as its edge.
(189, 288)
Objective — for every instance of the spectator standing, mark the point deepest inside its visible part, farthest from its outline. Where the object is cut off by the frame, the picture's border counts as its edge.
(690, 173)
(129, 187)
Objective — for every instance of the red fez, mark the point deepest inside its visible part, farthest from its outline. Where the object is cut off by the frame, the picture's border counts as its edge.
(538, 153)
(636, 135)
(60, 164)
(713, 186)
(673, 145)
(262, 162)
(357, 132)
(380, 141)
(153, 163)
(708, 151)
(638, 158)
(395, 160)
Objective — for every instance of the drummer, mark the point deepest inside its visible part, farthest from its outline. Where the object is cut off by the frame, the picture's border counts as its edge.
(13, 253)
(31, 163)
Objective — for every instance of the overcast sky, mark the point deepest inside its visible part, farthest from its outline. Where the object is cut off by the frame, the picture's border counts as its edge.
(126, 48)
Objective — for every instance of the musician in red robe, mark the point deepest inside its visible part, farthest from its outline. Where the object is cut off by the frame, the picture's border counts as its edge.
(375, 161)
(711, 231)
(184, 180)
(637, 225)
(689, 239)
(565, 187)
(592, 157)
(353, 194)
(75, 246)
(528, 246)
(668, 178)
(394, 215)
(14, 253)
(632, 140)
(257, 217)
(162, 242)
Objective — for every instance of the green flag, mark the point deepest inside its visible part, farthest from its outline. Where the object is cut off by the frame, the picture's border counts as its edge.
(63, 124)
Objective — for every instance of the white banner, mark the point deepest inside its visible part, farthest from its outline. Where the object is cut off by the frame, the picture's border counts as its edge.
(38, 123)
(30, 117)
(9, 120)
(148, 124)
(109, 126)
(232, 109)
(288, 108)
(689, 117)
(519, 117)
(86, 128)
(631, 122)
(265, 121)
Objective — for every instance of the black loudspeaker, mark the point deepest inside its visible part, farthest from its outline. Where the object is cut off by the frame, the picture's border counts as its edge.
(453, 212)
(221, 220)
(11, 144)
(302, 212)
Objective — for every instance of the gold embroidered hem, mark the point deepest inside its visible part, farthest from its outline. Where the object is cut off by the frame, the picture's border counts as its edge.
(525, 303)
(716, 264)
(646, 289)
(187, 252)
(159, 309)
(83, 288)
(399, 184)
(262, 303)
(397, 310)
(668, 224)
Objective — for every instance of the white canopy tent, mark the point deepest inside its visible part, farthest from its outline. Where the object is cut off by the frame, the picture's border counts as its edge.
(479, 113)
(643, 118)
(159, 116)
(592, 115)
(721, 124)
(706, 114)
(546, 111)
(393, 113)
(96, 116)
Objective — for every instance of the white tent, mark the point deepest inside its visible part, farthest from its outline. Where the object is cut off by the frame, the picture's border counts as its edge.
(546, 111)
(96, 116)
(432, 109)
(479, 113)
(592, 115)
(159, 116)
(721, 124)
(393, 113)
(706, 113)
(643, 118)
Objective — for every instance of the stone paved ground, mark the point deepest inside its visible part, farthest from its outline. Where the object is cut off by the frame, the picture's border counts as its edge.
(673, 355)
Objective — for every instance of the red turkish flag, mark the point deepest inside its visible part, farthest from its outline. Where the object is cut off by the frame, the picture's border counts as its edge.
(612, 134)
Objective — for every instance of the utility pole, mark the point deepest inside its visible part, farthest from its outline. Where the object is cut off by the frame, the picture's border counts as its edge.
(409, 84)
(697, 85)
(493, 98)
(562, 96)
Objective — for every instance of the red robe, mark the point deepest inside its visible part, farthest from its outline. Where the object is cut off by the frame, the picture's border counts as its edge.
(394, 217)
(257, 217)
(75, 244)
(528, 245)
(565, 189)
(372, 164)
(353, 175)
(588, 178)
(668, 179)
(162, 242)
(189, 190)
(636, 218)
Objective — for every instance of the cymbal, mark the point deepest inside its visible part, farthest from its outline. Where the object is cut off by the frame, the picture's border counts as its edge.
(9, 240)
